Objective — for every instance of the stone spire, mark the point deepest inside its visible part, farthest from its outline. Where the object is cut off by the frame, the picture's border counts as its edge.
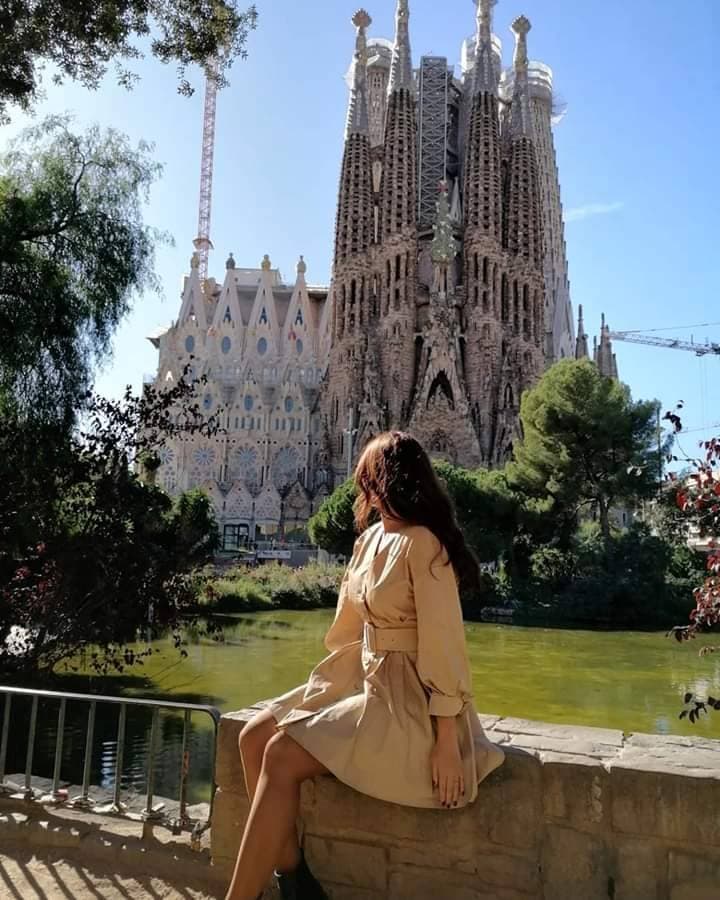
(581, 345)
(398, 185)
(520, 115)
(485, 76)
(604, 356)
(482, 189)
(357, 120)
(354, 225)
(401, 73)
(523, 236)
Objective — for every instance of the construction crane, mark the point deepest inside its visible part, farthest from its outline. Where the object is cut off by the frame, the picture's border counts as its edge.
(202, 242)
(635, 337)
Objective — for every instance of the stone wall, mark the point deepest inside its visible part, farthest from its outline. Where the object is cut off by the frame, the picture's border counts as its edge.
(574, 814)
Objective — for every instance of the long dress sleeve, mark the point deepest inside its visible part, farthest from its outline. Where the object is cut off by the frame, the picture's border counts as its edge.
(442, 662)
(347, 626)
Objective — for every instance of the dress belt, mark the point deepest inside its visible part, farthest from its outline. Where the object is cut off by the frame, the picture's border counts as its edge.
(380, 640)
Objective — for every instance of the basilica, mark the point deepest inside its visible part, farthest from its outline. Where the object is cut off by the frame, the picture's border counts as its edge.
(449, 293)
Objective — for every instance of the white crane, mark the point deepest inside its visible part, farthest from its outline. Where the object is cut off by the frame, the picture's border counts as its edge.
(202, 242)
(635, 337)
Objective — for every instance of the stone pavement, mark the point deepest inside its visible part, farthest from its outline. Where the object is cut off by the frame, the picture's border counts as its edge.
(67, 855)
(27, 874)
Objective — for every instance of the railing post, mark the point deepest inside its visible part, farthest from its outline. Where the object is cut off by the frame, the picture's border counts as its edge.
(4, 738)
(56, 795)
(116, 805)
(154, 726)
(31, 749)
(84, 801)
(184, 767)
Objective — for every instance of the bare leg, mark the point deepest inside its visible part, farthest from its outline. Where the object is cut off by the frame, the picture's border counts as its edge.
(273, 813)
(253, 739)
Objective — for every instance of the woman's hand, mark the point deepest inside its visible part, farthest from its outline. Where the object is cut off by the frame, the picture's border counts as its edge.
(447, 768)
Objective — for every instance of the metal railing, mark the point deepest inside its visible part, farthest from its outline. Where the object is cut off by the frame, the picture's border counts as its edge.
(152, 813)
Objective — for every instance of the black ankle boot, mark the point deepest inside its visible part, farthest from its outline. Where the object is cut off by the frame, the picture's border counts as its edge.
(300, 884)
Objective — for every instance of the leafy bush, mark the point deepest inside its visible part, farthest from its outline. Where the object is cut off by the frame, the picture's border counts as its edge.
(274, 586)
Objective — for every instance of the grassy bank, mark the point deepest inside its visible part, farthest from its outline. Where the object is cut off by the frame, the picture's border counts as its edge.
(271, 586)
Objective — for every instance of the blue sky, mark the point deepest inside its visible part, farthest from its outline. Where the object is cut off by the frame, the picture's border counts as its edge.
(637, 154)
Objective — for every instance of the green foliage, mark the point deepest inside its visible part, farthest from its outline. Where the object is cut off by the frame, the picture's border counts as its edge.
(333, 526)
(586, 444)
(273, 586)
(81, 38)
(623, 580)
(73, 253)
(89, 553)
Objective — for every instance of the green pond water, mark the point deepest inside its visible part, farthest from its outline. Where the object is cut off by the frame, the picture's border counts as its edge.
(632, 681)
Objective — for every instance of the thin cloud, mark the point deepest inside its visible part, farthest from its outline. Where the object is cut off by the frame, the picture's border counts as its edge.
(577, 213)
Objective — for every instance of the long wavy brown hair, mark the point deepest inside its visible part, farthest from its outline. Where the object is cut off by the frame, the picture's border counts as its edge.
(395, 472)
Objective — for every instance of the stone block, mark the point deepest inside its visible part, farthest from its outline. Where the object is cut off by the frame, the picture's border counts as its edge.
(577, 793)
(228, 768)
(639, 870)
(230, 812)
(346, 892)
(573, 738)
(574, 865)
(675, 807)
(693, 876)
(347, 862)
(673, 754)
(509, 805)
(492, 868)
(704, 889)
(415, 883)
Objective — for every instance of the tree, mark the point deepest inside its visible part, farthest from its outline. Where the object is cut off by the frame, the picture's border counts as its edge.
(89, 553)
(81, 38)
(488, 512)
(333, 525)
(586, 445)
(73, 253)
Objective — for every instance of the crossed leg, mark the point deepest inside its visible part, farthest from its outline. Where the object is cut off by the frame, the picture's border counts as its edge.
(275, 766)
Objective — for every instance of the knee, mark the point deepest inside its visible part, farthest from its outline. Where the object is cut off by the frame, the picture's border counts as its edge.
(253, 738)
(279, 758)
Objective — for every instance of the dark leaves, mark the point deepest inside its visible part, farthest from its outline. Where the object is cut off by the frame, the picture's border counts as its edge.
(80, 39)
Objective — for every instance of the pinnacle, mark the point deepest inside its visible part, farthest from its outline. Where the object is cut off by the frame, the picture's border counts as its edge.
(362, 19)
(521, 25)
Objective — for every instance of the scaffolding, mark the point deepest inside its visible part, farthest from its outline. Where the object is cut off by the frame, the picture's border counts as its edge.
(432, 135)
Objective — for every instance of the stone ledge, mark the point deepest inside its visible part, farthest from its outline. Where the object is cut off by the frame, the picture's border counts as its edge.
(581, 744)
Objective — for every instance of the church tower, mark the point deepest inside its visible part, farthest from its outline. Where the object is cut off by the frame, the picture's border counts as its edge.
(484, 261)
(397, 251)
(352, 290)
(522, 294)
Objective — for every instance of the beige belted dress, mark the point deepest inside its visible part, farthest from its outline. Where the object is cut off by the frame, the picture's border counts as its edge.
(397, 658)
